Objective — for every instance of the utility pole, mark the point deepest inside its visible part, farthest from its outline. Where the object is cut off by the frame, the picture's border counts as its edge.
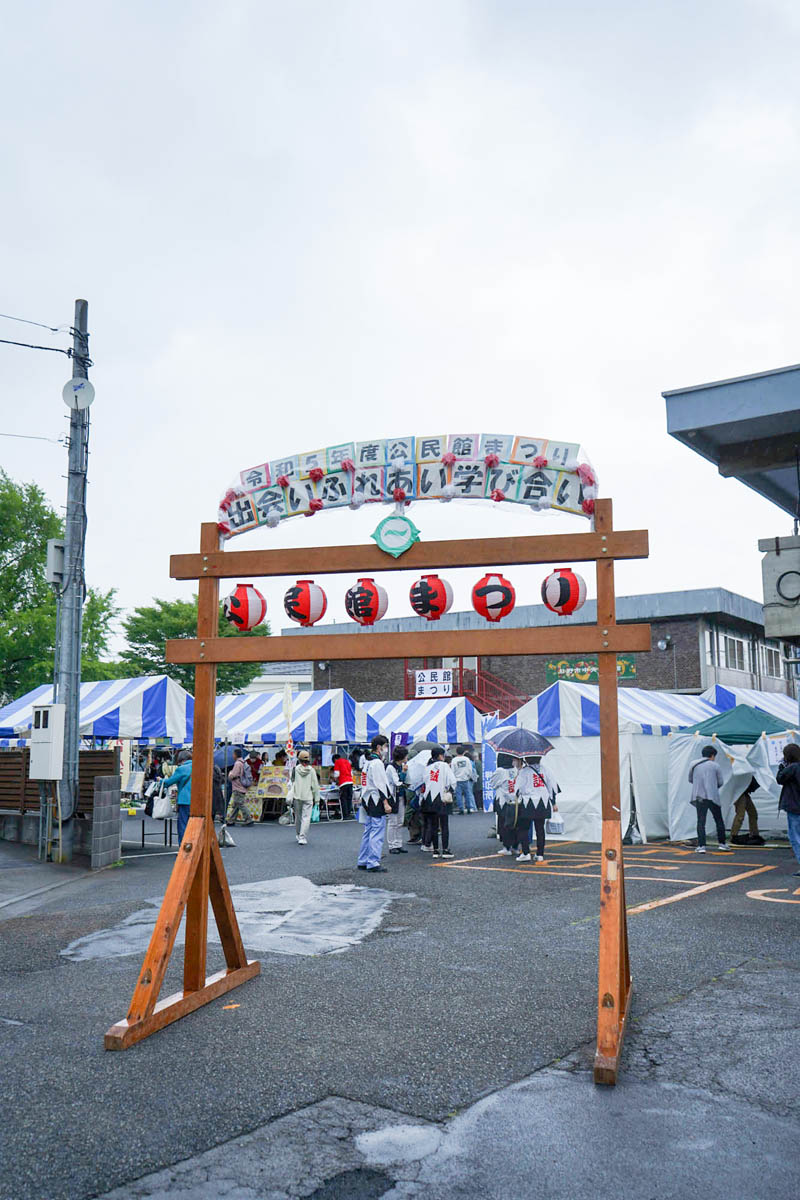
(78, 396)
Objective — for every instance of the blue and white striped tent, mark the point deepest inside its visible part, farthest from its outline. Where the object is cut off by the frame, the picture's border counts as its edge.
(777, 704)
(450, 720)
(568, 709)
(153, 707)
(326, 716)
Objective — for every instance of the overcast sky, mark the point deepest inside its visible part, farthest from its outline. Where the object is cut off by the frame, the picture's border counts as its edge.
(303, 223)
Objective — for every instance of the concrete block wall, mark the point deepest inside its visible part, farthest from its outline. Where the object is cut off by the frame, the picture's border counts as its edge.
(106, 821)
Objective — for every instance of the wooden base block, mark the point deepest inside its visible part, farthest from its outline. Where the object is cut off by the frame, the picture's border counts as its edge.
(127, 1033)
(606, 1066)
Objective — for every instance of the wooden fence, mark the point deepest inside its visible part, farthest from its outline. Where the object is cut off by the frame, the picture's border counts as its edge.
(19, 794)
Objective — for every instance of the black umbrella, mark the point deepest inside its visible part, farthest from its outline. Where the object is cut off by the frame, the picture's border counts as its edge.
(418, 747)
(520, 742)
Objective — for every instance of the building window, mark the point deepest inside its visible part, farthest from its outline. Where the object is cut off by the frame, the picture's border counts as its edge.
(772, 662)
(734, 654)
(709, 647)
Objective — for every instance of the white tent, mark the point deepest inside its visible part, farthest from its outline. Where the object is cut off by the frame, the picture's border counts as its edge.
(568, 714)
(738, 764)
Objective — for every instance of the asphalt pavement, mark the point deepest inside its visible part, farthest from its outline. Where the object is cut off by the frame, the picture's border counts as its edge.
(467, 1015)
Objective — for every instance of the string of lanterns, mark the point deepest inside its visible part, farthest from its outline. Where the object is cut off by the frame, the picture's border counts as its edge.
(493, 598)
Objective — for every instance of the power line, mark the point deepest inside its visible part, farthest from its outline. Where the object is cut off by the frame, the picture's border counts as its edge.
(25, 321)
(33, 437)
(31, 346)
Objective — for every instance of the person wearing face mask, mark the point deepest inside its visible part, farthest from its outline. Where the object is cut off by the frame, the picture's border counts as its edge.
(375, 806)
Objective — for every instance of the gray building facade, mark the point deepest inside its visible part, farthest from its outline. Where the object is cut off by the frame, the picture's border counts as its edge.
(699, 638)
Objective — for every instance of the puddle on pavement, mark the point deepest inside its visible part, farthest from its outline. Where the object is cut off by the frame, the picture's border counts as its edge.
(285, 916)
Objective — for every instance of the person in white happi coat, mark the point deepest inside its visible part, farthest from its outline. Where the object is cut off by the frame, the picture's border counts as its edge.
(533, 802)
(440, 783)
(375, 806)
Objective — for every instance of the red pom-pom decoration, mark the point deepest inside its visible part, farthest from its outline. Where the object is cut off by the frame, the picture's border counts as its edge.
(563, 591)
(431, 597)
(588, 507)
(366, 602)
(224, 528)
(493, 597)
(492, 460)
(282, 481)
(586, 474)
(348, 465)
(399, 495)
(498, 495)
(540, 461)
(305, 602)
(245, 607)
(314, 506)
(316, 473)
(449, 458)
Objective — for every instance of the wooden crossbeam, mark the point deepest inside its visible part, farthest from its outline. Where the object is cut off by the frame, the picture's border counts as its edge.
(468, 552)
(577, 639)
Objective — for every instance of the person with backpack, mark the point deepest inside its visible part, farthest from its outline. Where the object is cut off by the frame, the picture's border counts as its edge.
(241, 778)
(375, 806)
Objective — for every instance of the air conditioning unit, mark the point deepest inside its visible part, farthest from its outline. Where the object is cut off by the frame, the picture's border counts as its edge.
(47, 742)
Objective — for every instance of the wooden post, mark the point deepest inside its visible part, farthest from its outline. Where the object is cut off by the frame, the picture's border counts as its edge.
(205, 698)
(198, 872)
(613, 973)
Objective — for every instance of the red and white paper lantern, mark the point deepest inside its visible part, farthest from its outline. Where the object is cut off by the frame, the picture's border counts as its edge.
(366, 602)
(493, 597)
(563, 591)
(245, 607)
(431, 597)
(305, 602)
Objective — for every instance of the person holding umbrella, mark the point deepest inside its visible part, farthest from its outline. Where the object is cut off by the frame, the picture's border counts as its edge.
(533, 787)
(534, 801)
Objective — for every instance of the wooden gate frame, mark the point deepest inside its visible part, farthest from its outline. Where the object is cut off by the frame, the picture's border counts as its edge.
(198, 874)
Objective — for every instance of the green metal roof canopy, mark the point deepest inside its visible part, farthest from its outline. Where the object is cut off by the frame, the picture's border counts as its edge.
(739, 726)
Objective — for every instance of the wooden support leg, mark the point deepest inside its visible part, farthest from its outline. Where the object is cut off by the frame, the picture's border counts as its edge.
(224, 913)
(147, 1013)
(613, 971)
(197, 876)
(613, 968)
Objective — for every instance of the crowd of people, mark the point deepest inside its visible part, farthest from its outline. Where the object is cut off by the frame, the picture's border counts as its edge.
(419, 794)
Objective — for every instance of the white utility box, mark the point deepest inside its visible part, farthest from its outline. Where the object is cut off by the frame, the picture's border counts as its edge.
(47, 741)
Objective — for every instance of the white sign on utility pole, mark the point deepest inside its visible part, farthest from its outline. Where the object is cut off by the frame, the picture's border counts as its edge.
(780, 573)
(434, 683)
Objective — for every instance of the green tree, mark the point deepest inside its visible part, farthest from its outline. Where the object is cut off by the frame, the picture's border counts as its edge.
(27, 602)
(149, 627)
